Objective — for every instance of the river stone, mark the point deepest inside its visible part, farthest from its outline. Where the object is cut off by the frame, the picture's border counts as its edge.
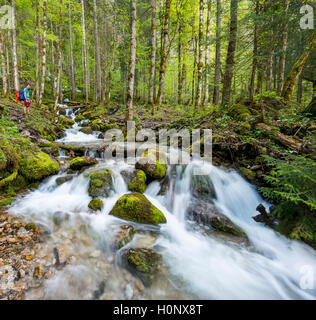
(138, 183)
(202, 187)
(86, 130)
(38, 166)
(95, 204)
(128, 175)
(62, 180)
(101, 183)
(136, 207)
(82, 162)
(144, 263)
(153, 163)
(123, 237)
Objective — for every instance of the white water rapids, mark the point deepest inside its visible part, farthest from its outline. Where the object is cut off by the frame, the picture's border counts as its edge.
(198, 264)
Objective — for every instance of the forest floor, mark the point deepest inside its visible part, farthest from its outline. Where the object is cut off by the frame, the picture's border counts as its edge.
(244, 135)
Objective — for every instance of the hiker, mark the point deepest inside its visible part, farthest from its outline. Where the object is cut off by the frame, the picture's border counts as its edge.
(27, 103)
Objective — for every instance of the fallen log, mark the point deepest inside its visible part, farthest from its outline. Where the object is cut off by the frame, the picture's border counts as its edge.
(282, 139)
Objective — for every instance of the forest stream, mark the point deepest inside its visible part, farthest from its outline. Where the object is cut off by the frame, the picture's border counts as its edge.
(197, 263)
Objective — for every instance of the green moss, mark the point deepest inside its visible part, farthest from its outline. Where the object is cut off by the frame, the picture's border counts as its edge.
(248, 174)
(81, 162)
(96, 204)
(136, 207)
(6, 202)
(138, 183)
(101, 183)
(38, 166)
(239, 112)
(223, 224)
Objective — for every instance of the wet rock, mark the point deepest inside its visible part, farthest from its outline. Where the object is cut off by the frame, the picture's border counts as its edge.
(95, 204)
(136, 207)
(101, 183)
(138, 183)
(144, 263)
(38, 166)
(62, 180)
(202, 187)
(153, 163)
(101, 136)
(86, 130)
(77, 151)
(128, 175)
(65, 122)
(39, 272)
(82, 162)
(165, 185)
(265, 218)
(249, 174)
(123, 237)
(223, 224)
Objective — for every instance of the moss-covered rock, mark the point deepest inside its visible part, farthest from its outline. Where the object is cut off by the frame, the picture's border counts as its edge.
(96, 125)
(86, 130)
(239, 112)
(96, 204)
(6, 202)
(138, 183)
(202, 187)
(136, 207)
(223, 224)
(123, 237)
(77, 151)
(248, 174)
(153, 163)
(82, 162)
(144, 263)
(38, 166)
(62, 180)
(65, 122)
(101, 183)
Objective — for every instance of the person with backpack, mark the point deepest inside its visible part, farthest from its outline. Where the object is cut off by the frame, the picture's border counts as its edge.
(26, 98)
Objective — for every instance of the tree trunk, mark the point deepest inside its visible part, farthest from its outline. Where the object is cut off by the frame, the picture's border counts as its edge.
(37, 45)
(163, 59)
(132, 62)
(43, 53)
(291, 80)
(194, 68)
(59, 83)
(151, 99)
(179, 68)
(97, 52)
(300, 90)
(230, 60)
(3, 65)
(200, 62)
(53, 60)
(72, 62)
(217, 77)
(207, 52)
(85, 61)
(14, 50)
(285, 36)
(255, 56)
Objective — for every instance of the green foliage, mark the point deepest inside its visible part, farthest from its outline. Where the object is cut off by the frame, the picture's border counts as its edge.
(292, 181)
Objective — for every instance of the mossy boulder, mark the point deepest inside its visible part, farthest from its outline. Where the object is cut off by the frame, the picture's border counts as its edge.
(62, 180)
(202, 187)
(153, 163)
(96, 204)
(239, 112)
(136, 207)
(96, 125)
(101, 183)
(80, 117)
(144, 263)
(9, 157)
(78, 151)
(38, 166)
(82, 162)
(65, 122)
(138, 183)
(86, 130)
(248, 174)
(6, 202)
(223, 224)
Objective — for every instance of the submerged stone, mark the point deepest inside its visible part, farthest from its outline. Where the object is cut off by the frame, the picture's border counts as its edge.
(202, 186)
(123, 237)
(62, 180)
(136, 207)
(144, 263)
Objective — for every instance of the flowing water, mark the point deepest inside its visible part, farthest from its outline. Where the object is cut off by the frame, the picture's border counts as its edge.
(198, 264)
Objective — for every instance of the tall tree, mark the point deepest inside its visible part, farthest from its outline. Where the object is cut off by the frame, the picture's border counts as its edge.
(60, 65)
(84, 48)
(43, 52)
(72, 62)
(255, 53)
(164, 51)
(153, 55)
(230, 60)
(217, 77)
(200, 61)
(14, 50)
(132, 62)
(97, 53)
(37, 45)
(207, 53)
(3, 65)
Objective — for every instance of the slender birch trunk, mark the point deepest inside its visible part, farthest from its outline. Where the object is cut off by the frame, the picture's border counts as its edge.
(72, 62)
(3, 65)
(59, 83)
(151, 99)
(132, 62)
(97, 53)
(85, 62)
(14, 50)
(37, 45)
(207, 53)
(43, 53)
(217, 77)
